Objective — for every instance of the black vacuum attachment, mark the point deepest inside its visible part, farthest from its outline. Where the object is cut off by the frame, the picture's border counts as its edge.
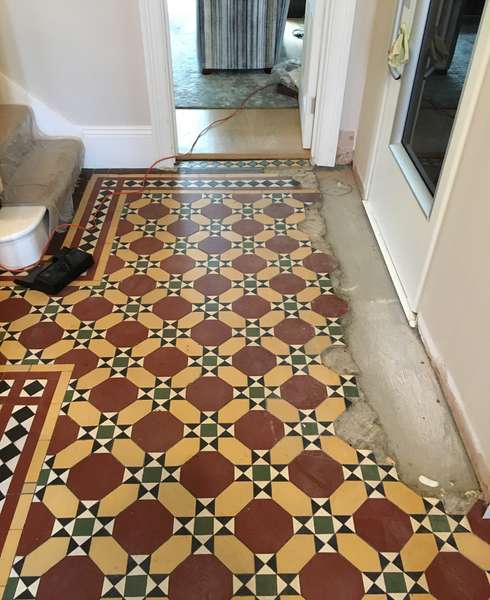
(52, 276)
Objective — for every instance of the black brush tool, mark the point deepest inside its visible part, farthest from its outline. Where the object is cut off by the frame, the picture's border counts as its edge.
(52, 276)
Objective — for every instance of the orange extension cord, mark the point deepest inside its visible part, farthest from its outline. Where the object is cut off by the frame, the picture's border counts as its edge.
(148, 172)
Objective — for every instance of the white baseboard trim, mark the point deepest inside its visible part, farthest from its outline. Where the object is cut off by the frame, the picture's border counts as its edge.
(105, 147)
(457, 407)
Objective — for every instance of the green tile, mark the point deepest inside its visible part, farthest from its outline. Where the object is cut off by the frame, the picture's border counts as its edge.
(395, 583)
(209, 430)
(439, 523)
(266, 585)
(309, 428)
(135, 586)
(105, 432)
(152, 474)
(83, 527)
(203, 526)
(323, 525)
(370, 472)
(261, 473)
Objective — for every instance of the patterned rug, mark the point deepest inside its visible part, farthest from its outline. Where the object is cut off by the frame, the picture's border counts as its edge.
(168, 431)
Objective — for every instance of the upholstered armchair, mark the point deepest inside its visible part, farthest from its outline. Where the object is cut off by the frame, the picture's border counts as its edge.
(240, 34)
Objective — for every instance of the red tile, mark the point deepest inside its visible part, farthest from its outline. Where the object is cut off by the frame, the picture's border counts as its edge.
(199, 577)
(315, 473)
(249, 264)
(329, 576)
(216, 212)
(254, 361)
(212, 284)
(42, 335)
(247, 227)
(251, 306)
(177, 264)
(84, 361)
(127, 334)
(214, 244)
(247, 198)
(479, 525)
(114, 263)
(143, 527)
(303, 391)
(95, 476)
(295, 332)
(263, 526)
(330, 305)
(12, 309)
(451, 576)
(211, 333)
(282, 244)
(183, 228)
(146, 245)
(259, 430)
(137, 285)
(124, 227)
(321, 263)
(172, 308)
(37, 529)
(209, 393)
(383, 525)
(154, 211)
(279, 211)
(75, 577)
(157, 431)
(65, 433)
(165, 362)
(287, 284)
(92, 309)
(207, 474)
(114, 394)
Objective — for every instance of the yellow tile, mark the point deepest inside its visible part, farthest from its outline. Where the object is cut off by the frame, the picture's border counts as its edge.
(115, 296)
(232, 319)
(93, 378)
(141, 377)
(119, 499)
(84, 413)
(73, 454)
(186, 377)
(44, 557)
(278, 375)
(58, 349)
(231, 412)
(339, 450)
(102, 348)
(60, 501)
(154, 296)
(151, 321)
(283, 410)
(37, 461)
(181, 452)
(294, 555)
(235, 497)
(330, 409)
(291, 498)
(108, 555)
(404, 497)
(24, 322)
(185, 411)
(271, 319)
(170, 554)
(68, 321)
(128, 453)
(317, 345)
(234, 554)
(13, 350)
(189, 347)
(234, 451)
(348, 498)
(23, 505)
(326, 376)
(419, 552)
(358, 552)
(177, 500)
(474, 548)
(286, 449)
(29, 488)
(134, 412)
(232, 346)
(8, 554)
(233, 376)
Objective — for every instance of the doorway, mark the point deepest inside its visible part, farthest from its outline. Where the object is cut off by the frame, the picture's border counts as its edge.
(202, 37)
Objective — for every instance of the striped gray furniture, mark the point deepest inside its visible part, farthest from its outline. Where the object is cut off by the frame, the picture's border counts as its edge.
(240, 34)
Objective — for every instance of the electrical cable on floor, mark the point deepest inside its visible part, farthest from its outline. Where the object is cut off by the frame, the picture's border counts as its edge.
(65, 226)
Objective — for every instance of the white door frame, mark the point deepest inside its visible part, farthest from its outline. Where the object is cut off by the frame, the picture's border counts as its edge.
(155, 32)
(333, 59)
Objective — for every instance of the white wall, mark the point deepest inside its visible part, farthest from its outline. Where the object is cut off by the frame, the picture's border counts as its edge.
(455, 308)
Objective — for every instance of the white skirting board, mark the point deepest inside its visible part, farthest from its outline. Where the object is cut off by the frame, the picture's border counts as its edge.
(105, 147)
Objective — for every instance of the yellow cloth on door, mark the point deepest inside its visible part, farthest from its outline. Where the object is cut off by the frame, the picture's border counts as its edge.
(399, 53)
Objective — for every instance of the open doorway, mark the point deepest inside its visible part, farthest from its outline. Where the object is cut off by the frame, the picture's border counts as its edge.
(221, 54)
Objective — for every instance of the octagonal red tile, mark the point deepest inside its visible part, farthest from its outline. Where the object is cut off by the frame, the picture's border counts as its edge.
(183, 228)
(154, 211)
(251, 306)
(214, 244)
(41, 335)
(83, 360)
(383, 525)
(295, 332)
(74, 577)
(249, 264)
(216, 211)
(245, 198)
(157, 431)
(247, 227)
(166, 362)
(319, 262)
(37, 528)
(212, 284)
(201, 576)
(329, 305)
(177, 264)
(12, 309)
(288, 284)
(451, 576)
(259, 430)
(145, 246)
(124, 227)
(127, 334)
(114, 394)
(479, 525)
(172, 308)
(303, 391)
(92, 309)
(263, 526)
(282, 244)
(207, 474)
(279, 210)
(143, 527)
(315, 473)
(137, 285)
(254, 361)
(114, 263)
(329, 576)
(209, 393)
(65, 433)
(211, 332)
(95, 476)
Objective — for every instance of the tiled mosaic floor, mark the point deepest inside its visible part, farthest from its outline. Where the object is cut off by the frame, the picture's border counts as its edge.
(194, 456)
